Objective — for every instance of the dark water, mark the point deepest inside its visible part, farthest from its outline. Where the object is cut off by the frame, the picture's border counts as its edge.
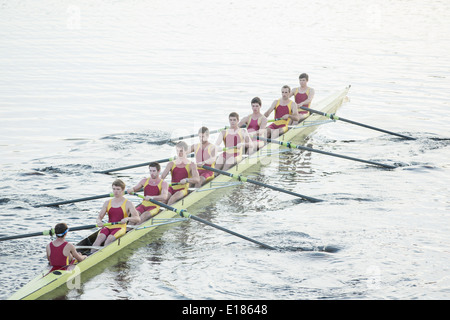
(85, 87)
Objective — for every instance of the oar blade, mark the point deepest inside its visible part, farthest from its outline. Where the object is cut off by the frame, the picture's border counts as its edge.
(231, 232)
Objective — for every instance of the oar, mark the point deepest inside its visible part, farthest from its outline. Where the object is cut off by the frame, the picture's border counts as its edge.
(100, 196)
(195, 135)
(184, 137)
(335, 117)
(245, 179)
(106, 195)
(291, 145)
(51, 232)
(54, 204)
(140, 165)
(183, 213)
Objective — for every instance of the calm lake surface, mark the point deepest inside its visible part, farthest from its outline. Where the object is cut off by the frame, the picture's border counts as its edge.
(86, 85)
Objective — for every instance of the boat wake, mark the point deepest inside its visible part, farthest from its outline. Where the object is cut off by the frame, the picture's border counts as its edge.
(319, 248)
(291, 241)
(4, 200)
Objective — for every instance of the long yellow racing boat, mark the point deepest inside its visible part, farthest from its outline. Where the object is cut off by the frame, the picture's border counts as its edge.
(47, 282)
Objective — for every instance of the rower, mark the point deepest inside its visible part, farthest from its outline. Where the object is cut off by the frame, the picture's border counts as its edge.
(285, 110)
(155, 188)
(205, 154)
(255, 124)
(234, 140)
(118, 209)
(60, 253)
(183, 172)
(303, 96)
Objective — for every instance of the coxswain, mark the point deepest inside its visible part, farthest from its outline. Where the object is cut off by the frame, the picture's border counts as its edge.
(119, 209)
(255, 124)
(234, 140)
(205, 154)
(285, 110)
(154, 188)
(303, 96)
(183, 172)
(60, 253)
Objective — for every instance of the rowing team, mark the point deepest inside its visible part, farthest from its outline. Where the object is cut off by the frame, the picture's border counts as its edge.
(238, 139)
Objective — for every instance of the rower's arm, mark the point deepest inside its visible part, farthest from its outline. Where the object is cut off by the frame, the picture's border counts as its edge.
(137, 187)
(166, 170)
(246, 135)
(133, 214)
(75, 253)
(195, 177)
(310, 97)
(164, 193)
(47, 249)
(102, 214)
(269, 111)
(292, 92)
(243, 122)
(213, 157)
(263, 125)
(295, 115)
(219, 139)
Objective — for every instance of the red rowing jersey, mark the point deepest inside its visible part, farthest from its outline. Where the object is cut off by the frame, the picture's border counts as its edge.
(116, 214)
(203, 154)
(57, 257)
(282, 110)
(231, 140)
(178, 173)
(279, 112)
(300, 97)
(253, 124)
(151, 191)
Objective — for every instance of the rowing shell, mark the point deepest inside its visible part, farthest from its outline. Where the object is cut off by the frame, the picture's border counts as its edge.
(46, 282)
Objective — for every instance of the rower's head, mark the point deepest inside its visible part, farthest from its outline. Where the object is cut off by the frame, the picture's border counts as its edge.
(285, 91)
(61, 230)
(233, 118)
(118, 187)
(256, 105)
(303, 79)
(182, 149)
(203, 134)
(154, 168)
